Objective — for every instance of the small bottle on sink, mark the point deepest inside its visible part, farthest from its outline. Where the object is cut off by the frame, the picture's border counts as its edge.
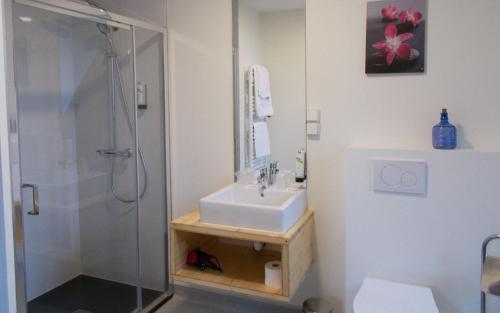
(300, 166)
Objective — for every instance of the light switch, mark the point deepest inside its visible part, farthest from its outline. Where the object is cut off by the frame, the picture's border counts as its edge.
(313, 115)
(313, 122)
(313, 129)
(399, 176)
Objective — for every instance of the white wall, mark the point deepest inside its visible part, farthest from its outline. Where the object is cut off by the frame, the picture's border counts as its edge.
(392, 111)
(432, 240)
(283, 35)
(201, 100)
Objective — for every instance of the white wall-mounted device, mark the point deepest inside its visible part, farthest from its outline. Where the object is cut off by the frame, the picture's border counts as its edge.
(313, 122)
(399, 176)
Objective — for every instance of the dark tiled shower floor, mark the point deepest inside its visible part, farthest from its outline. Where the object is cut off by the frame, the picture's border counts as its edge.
(90, 294)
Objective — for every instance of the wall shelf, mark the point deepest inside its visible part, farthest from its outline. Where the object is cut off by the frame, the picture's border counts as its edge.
(243, 267)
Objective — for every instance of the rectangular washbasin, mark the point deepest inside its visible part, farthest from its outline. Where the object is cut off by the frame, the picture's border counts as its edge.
(242, 206)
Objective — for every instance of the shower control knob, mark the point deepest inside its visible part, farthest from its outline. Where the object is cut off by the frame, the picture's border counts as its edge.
(127, 153)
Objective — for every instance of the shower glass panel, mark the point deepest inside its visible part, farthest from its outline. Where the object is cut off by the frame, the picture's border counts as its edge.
(95, 238)
(150, 132)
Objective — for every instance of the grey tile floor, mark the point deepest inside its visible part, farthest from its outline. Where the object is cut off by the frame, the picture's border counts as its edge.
(188, 300)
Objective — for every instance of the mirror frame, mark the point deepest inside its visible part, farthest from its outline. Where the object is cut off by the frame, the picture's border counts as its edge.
(236, 86)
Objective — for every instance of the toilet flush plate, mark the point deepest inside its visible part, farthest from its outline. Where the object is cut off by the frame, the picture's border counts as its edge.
(399, 176)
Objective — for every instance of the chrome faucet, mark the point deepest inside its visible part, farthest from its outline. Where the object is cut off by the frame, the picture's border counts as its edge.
(273, 171)
(262, 180)
(267, 177)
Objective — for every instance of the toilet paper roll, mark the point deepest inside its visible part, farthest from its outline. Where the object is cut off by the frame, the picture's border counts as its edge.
(273, 275)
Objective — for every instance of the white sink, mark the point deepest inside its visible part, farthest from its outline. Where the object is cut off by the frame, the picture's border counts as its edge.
(242, 206)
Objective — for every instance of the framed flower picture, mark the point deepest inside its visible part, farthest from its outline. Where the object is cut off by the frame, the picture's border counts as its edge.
(395, 36)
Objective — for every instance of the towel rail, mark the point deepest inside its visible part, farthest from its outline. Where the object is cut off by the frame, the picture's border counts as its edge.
(253, 162)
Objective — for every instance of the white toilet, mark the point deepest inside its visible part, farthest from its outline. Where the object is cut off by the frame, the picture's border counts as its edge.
(378, 296)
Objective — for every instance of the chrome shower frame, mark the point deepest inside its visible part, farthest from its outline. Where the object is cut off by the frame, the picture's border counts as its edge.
(97, 15)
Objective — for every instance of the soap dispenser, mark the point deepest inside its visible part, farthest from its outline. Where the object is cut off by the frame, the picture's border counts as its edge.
(300, 166)
(444, 134)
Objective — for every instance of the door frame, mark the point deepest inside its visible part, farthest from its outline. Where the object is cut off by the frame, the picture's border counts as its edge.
(10, 140)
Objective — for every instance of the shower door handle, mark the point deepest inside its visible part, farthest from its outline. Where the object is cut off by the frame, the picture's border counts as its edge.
(35, 195)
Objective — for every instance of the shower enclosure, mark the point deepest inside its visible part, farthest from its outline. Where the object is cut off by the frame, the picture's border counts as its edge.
(89, 159)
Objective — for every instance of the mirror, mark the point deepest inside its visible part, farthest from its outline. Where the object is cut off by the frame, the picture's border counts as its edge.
(269, 87)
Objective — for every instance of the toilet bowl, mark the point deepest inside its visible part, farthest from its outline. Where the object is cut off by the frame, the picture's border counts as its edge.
(379, 296)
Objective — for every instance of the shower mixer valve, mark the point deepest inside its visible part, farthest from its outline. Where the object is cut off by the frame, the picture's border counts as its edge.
(127, 153)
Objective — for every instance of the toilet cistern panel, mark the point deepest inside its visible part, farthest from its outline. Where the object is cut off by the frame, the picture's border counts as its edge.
(399, 176)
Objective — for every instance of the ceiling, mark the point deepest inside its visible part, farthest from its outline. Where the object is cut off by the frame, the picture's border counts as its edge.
(275, 5)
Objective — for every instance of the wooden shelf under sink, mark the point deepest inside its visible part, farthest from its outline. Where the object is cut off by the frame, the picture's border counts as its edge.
(243, 267)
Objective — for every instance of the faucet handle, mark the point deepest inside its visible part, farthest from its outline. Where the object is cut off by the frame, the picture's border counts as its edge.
(273, 167)
(262, 174)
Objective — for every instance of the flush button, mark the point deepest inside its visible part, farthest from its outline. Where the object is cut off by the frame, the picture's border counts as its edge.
(409, 179)
(391, 175)
(399, 176)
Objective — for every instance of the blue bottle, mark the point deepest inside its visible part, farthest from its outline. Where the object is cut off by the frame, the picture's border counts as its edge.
(444, 134)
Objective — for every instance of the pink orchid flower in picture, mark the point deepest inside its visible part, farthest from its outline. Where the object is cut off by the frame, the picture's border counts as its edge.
(411, 17)
(390, 13)
(394, 45)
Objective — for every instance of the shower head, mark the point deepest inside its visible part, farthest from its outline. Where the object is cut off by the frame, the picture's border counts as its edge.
(105, 29)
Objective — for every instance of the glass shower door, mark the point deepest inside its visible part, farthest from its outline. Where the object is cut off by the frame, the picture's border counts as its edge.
(78, 162)
(151, 134)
